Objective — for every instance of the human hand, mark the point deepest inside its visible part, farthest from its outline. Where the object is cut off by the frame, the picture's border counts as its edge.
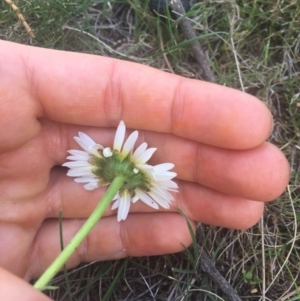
(214, 135)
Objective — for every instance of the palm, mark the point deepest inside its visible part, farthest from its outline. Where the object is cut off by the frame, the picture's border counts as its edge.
(25, 198)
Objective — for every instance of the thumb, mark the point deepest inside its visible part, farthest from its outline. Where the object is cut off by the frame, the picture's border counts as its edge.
(14, 288)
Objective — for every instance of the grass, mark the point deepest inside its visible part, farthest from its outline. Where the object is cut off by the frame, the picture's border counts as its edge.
(254, 46)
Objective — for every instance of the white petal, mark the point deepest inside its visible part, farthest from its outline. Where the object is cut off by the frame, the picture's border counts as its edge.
(86, 140)
(95, 149)
(78, 155)
(117, 196)
(167, 175)
(148, 169)
(77, 152)
(165, 194)
(134, 199)
(89, 149)
(86, 180)
(129, 144)
(140, 150)
(77, 164)
(115, 205)
(120, 135)
(145, 156)
(163, 166)
(82, 145)
(160, 199)
(145, 199)
(124, 206)
(80, 172)
(168, 184)
(91, 186)
(79, 158)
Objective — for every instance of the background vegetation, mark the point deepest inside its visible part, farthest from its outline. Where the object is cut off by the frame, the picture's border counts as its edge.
(254, 46)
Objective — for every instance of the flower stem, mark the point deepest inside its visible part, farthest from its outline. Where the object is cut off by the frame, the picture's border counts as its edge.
(66, 253)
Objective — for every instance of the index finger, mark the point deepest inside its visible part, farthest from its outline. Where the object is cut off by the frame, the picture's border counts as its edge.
(98, 91)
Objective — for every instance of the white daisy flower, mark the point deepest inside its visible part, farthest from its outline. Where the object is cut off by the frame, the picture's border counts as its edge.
(96, 166)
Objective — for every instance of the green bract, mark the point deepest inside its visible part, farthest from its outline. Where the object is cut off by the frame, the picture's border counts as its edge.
(107, 168)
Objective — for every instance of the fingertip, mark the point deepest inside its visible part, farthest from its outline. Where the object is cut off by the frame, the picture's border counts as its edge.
(260, 173)
(259, 125)
(252, 213)
(246, 214)
(220, 116)
(278, 175)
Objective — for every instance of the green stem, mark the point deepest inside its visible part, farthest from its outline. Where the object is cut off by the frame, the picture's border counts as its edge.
(61, 259)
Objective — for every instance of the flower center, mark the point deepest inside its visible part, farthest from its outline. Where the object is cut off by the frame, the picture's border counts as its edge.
(107, 168)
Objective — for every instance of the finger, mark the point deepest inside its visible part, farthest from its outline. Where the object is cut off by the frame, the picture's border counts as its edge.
(199, 203)
(261, 173)
(138, 235)
(215, 208)
(14, 288)
(97, 91)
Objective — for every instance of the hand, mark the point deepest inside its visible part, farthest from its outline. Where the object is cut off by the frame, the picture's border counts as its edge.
(214, 135)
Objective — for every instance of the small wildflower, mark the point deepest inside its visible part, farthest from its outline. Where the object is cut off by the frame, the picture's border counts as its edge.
(96, 166)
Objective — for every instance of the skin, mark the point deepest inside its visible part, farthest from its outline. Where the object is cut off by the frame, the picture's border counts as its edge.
(214, 135)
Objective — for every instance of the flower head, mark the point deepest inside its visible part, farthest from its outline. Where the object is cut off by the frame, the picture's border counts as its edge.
(96, 166)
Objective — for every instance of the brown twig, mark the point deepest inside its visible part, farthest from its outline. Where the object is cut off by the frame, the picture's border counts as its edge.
(20, 17)
(189, 34)
(208, 266)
